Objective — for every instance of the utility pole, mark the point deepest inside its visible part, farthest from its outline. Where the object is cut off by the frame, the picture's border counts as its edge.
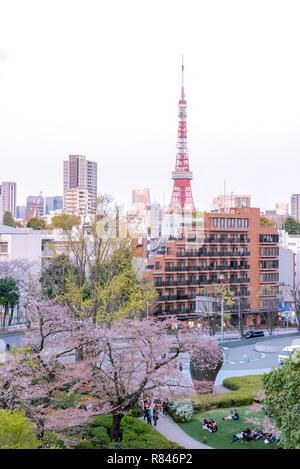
(222, 319)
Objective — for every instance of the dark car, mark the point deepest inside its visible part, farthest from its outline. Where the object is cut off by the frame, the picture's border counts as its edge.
(251, 334)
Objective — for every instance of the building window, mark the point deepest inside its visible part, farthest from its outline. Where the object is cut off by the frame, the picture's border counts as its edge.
(268, 238)
(3, 247)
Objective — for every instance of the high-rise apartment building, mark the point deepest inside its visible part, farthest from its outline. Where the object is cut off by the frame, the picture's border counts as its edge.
(295, 206)
(80, 173)
(77, 201)
(227, 201)
(8, 196)
(231, 248)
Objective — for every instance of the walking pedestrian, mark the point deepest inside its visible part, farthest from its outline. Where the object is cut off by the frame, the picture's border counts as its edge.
(149, 416)
(155, 414)
(165, 407)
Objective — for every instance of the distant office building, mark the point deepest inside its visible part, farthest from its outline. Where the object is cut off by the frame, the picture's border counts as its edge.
(34, 206)
(278, 215)
(295, 206)
(8, 195)
(80, 173)
(156, 217)
(282, 208)
(141, 196)
(273, 215)
(21, 212)
(140, 201)
(227, 201)
(53, 203)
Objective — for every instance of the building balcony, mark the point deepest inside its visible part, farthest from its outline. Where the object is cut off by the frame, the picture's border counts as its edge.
(227, 240)
(176, 297)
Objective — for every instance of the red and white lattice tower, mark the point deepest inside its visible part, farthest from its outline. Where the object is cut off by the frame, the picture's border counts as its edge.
(182, 197)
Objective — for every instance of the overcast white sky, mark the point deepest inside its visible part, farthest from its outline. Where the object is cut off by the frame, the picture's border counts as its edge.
(102, 78)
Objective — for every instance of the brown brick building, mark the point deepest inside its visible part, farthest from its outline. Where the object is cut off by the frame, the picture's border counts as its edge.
(232, 249)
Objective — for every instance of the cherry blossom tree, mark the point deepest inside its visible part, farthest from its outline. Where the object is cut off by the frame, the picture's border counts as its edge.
(119, 364)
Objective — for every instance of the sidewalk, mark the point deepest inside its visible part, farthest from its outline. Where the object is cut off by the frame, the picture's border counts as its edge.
(167, 427)
(228, 335)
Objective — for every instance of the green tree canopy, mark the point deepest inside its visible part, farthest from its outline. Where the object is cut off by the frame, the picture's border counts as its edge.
(55, 274)
(9, 296)
(64, 222)
(282, 389)
(36, 223)
(8, 219)
(292, 226)
(16, 432)
(264, 221)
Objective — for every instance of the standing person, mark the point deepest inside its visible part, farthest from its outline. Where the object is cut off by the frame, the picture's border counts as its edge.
(146, 406)
(155, 414)
(159, 406)
(149, 416)
(180, 366)
(165, 407)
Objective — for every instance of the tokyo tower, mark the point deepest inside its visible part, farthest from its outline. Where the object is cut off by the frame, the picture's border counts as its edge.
(182, 197)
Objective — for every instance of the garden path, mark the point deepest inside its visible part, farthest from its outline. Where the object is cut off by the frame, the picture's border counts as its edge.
(167, 427)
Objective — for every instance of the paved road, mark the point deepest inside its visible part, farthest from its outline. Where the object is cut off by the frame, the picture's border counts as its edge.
(167, 427)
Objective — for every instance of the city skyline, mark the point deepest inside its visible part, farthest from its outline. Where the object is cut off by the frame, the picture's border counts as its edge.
(116, 101)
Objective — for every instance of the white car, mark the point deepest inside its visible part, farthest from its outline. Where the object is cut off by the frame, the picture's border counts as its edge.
(286, 351)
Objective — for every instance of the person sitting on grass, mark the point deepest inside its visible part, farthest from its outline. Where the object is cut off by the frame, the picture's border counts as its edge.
(205, 424)
(270, 438)
(235, 416)
(229, 416)
(248, 434)
(237, 436)
(212, 426)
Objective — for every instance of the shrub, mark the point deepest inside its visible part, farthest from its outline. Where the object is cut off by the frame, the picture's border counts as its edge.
(99, 436)
(182, 411)
(244, 389)
(101, 421)
(16, 432)
(137, 434)
(86, 444)
(51, 441)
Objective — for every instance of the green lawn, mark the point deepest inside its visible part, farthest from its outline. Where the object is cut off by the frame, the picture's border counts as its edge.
(226, 428)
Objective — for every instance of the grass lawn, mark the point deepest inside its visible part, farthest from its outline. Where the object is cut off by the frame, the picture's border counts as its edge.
(226, 428)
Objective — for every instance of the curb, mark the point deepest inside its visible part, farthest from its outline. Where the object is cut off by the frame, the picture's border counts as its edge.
(270, 348)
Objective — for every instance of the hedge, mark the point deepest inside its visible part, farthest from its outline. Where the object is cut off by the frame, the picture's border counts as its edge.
(136, 434)
(244, 389)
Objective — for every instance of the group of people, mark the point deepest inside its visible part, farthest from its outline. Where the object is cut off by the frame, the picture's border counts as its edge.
(210, 425)
(152, 411)
(249, 435)
(246, 435)
(233, 415)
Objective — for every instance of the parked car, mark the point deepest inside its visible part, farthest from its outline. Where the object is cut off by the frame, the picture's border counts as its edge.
(286, 351)
(251, 334)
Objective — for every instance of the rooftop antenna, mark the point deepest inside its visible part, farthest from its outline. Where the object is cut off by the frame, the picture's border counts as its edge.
(182, 80)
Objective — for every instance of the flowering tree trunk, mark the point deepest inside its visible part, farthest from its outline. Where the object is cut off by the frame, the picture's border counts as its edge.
(115, 433)
(205, 364)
